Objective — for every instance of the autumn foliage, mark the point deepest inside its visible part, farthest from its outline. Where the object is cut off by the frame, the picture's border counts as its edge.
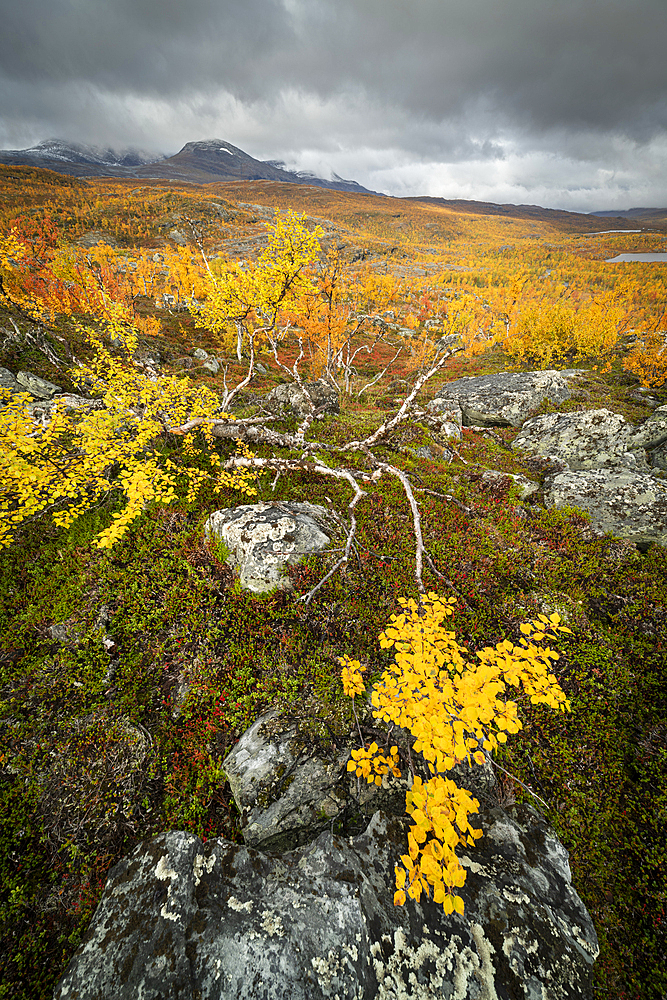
(457, 710)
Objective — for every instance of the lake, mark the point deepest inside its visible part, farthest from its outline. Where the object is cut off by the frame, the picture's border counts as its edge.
(623, 258)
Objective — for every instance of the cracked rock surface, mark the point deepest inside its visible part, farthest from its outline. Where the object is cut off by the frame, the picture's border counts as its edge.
(593, 439)
(217, 921)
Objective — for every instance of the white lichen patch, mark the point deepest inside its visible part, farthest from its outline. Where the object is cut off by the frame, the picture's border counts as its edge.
(591, 949)
(166, 912)
(466, 971)
(201, 865)
(486, 974)
(515, 897)
(326, 969)
(272, 924)
(165, 873)
(515, 937)
(162, 870)
(234, 904)
(475, 867)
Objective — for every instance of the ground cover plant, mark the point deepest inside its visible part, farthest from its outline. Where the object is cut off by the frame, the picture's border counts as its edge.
(128, 670)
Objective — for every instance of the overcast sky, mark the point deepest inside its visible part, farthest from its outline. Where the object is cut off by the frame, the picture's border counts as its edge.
(561, 103)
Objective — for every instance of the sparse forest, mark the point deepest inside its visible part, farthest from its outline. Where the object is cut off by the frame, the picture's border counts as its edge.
(131, 660)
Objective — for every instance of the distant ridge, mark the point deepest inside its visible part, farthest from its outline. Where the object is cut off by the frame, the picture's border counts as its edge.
(197, 162)
(632, 213)
(571, 220)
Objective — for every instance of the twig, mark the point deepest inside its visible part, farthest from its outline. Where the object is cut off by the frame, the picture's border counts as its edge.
(514, 778)
(416, 520)
(378, 377)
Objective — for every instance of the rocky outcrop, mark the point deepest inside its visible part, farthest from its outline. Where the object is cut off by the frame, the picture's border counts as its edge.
(219, 921)
(290, 397)
(505, 399)
(288, 789)
(627, 504)
(594, 439)
(263, 538)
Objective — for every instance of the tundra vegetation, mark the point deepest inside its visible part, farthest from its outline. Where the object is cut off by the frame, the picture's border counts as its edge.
(131, 660)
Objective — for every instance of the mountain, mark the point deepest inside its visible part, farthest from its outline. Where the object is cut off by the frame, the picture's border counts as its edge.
(77, 159)
(196, 162)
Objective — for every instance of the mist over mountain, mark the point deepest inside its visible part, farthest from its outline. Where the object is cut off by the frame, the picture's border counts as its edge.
(197, 162)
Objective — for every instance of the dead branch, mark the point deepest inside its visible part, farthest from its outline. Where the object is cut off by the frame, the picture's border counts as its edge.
(404, 411)
(416, 520)
(383, 372)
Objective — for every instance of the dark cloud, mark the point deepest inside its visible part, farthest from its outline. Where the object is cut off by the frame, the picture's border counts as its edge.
(419, 81)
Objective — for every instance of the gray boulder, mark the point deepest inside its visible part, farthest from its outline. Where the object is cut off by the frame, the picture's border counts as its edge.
(505, 399)
(27, 382)
(593, 439)
(653, 432)
(291, 397)
(264, 538)
(288, 789)
(37, 386)
(628, 504)
(218, 921)
(286, 794)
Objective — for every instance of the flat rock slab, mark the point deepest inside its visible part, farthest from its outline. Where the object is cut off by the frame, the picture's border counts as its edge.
(264, 538)
(593, 439)
(218, 921)
(630, 505)
(505, 399)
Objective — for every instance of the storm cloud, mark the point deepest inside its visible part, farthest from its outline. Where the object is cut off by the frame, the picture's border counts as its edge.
(557, 102)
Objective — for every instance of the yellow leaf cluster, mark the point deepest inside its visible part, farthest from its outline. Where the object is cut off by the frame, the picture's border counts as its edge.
(351, 675)
(372, 765)
(71, 460)
(456, 709)
(250, 295)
